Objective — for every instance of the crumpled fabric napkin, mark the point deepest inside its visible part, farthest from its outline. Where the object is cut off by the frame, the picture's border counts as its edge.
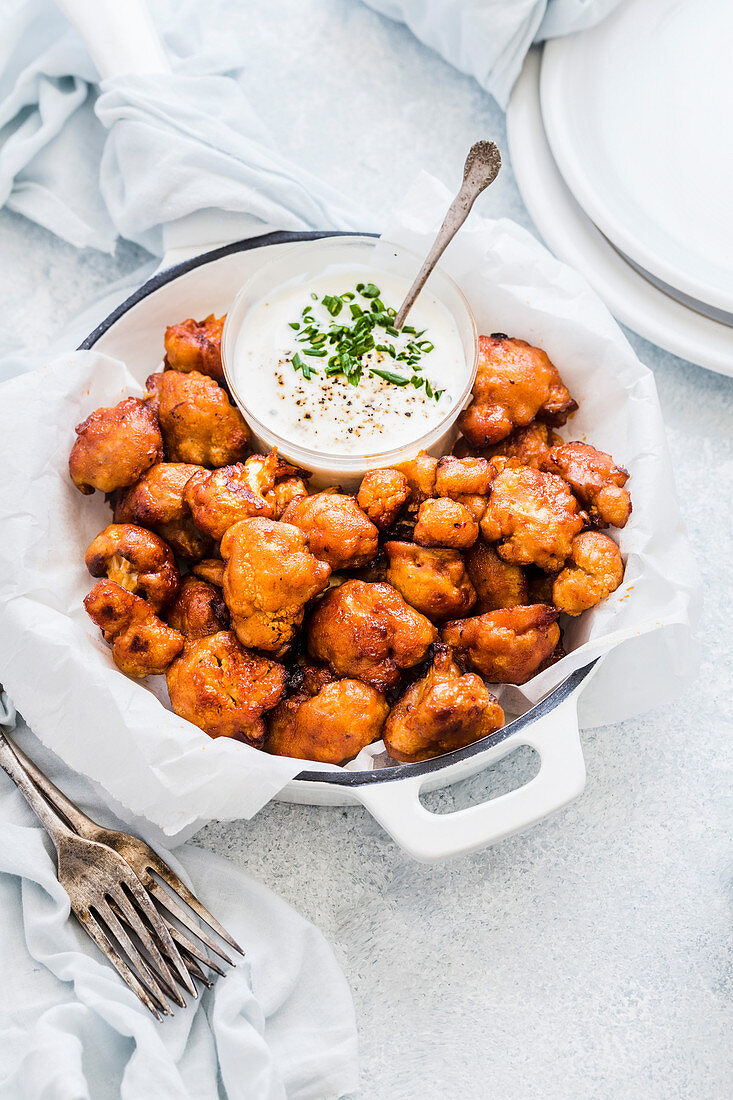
(140, 156)
(488, 39)
(281, 1024)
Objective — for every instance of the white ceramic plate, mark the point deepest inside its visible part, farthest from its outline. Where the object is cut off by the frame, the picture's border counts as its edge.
(638, 112)
(573, 237)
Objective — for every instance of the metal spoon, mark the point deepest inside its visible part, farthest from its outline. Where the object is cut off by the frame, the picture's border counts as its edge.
(482, 167)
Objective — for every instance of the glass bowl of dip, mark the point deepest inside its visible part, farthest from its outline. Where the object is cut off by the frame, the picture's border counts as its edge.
(289, 387)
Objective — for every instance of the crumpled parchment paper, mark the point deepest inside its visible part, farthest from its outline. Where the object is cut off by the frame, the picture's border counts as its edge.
(120, 732)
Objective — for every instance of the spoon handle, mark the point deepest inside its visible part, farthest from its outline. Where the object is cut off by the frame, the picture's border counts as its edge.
(482, 167)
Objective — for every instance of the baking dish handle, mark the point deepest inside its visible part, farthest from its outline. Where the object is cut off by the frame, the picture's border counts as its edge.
(428, 836)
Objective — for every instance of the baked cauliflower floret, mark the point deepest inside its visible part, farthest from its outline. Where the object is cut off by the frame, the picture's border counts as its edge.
(382, 495)
(198, 610)
(420, 473)
(533, 516)
(196, 345)
(329, 720)
(284, 492)
(224, 689)
(506, 646)
(528, 446)
(514, 384)
(137, 560)
(211, 570)
(445, 522)
(220, 498)
(198, 421)
(269, 577)
(337, 530)
(498, 583)
(441, 712)
(595, 479)
(459, 477)
(142, 645)
(157, 497)
(184, 537)
(115, 446)
(368, 632)
(432, 581)
(594, 570)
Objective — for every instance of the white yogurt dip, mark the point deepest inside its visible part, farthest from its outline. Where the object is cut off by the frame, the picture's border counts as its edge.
(278, 372)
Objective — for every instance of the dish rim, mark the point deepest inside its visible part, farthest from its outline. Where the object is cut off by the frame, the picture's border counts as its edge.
(343, 777)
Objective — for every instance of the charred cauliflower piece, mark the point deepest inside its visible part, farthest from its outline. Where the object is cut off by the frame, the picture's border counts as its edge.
(136, 560)
(595, 479)
(498, 583)
(506, 646)
(156, 501)
(368, 632)
(441, 712)
(198, 421)
(220, 498)
(269, 577)
(533, 516)
(142, 645)
(594, 570)
(514, 384)
(196, 345)
(198, 610)
(445, 522)
(337, 530)
(432, 581)
(382, 495)
(329, 720)
(115, 446)
(224, 689)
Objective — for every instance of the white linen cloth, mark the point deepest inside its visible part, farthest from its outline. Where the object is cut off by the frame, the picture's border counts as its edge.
(281, 1024)
(488, 39)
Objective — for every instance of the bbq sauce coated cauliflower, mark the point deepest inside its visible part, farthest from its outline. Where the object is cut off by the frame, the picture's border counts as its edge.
(442, 711)
(156, 501)
(220, 498)
(224, 689)
(368, 632)
(337, 530)
(142, 645)
(327, 719)
(533, 516)
(269, 577)
(432, 581)
(514, 384)
(445, 522)
(382, 496)
(506, 646)
(593, 571)
(198, 421)
(115, 446)
(498, 583)
(196, 345)
(595, 479)
(198, 610)
(528, 446)
(137, 560)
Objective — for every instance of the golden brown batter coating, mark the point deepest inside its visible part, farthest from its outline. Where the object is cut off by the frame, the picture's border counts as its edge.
(211, 570)
(382, 495)
(534, 516)
(368, 632)
(142, 645)
(420, 473)
(224, 689)
(528, 446)
(441, 712)
(270, 576)
(198, 421)
(337, 530)
(594, 570)
(514, 383)
(157, 497)
(459, 477)
(498, 583)
(220, 498)
(196, 345)
(198, 610)
(184, 537)
(284, 492)
(506, 646)
(432, 581)
(115, 446)
(137, 560)
(445, 522)
(595, 479)
(329, 720)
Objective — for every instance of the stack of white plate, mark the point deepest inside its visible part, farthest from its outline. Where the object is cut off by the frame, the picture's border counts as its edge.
(622, 142)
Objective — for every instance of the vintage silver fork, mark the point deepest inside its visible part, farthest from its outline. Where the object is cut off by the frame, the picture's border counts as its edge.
(96, 866)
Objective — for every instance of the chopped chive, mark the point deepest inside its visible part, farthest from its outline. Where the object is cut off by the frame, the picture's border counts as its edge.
(388, 376)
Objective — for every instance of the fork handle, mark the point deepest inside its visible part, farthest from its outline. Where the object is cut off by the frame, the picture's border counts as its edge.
(52, 823)
(75, 817)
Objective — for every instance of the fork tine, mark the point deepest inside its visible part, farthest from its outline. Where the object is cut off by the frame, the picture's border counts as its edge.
(132, 919)
(164, 898)
(96, 933)
(150, 979)
(161, 930)
(189, 948)
(185, 894)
